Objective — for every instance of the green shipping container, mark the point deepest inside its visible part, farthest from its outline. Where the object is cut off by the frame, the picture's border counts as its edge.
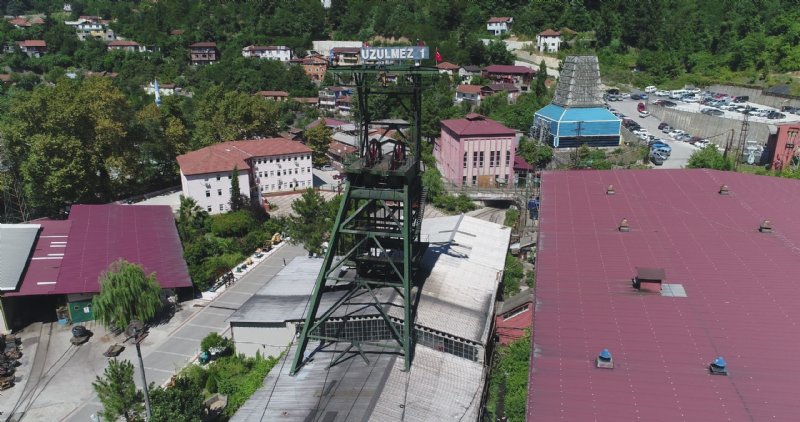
(80, 311)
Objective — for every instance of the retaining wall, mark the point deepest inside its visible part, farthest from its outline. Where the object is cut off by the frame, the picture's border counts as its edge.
(705, 126)
(757, 96)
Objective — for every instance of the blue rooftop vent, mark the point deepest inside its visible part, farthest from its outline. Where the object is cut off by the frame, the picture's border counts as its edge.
(718, 367)
(605, 360)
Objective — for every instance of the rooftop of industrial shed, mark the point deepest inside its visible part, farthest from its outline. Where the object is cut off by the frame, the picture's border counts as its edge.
(576, 114)
(741, 297)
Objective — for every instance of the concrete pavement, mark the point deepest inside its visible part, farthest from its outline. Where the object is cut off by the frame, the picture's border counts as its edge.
(62, 391)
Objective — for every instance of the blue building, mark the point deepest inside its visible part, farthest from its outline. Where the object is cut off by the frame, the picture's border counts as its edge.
(577, 115)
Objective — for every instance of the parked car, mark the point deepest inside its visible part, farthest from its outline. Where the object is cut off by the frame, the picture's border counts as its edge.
(643, 114)
(741, 99)
(662, 93)
(712, 111)
(675, 133)
(636, 97)
(684, 137)
(662, 125)
(666, 129)
(691, 98)
(657, 158)
(775, 115)
(790, 109)
(702, 143)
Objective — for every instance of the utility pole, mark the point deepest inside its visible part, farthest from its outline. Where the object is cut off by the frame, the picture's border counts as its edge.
(138, 332)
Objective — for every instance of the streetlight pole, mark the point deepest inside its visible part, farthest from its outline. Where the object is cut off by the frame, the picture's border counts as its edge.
(138, 332)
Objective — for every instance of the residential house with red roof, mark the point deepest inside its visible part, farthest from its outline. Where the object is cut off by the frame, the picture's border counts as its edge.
(511, 91)
(92, 27)
(475, 151)
(126, 46)
(499, 25)
(315, 67)
(281, 53)
(265, 166)
(19, 22)
(520, 76)
(468, 93)
(548, 41)
(203, 53)
(273, 95)
(329, 97)
(449, 69)
(33, 48)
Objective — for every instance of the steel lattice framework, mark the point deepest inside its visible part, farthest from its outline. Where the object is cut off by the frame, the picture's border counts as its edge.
(374, 249)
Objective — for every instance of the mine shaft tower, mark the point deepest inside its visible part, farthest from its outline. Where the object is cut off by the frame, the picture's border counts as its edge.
(368, 272)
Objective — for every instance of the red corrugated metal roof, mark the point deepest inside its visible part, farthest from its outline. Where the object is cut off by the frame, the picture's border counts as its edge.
(227, 155)
(447, 66)
(509, 69)
(742, 297)
(207, 44)
(476, 125)
(499, 19)
(41, 277)
(140, 234)
(469, 89)
(32, 43)
(120, 43)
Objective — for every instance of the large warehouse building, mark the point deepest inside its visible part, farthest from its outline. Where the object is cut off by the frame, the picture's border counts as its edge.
(463, 267)
(716, 280)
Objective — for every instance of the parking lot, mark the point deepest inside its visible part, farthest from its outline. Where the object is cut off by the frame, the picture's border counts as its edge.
(681, 151)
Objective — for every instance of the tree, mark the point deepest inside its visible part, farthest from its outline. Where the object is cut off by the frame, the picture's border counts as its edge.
(226, 116)
(238, 200)
(309, 226)
(512, 275)
(534, 152)
(126, 294)
(191, 218)
(540, 89)
(709, 158)
(318, 138)
(180, 402)
(118, 393)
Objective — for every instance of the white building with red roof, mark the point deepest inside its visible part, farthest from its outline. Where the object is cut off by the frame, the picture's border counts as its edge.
(475, 151)
(33, 48)
(521, 76)
(468, 93)
(548, 41)
(499, 25)
(127, 46)
(272, 52)
(447, 68)
(265, 166)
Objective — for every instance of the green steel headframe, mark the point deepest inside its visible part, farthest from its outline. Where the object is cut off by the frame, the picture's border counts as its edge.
(368, 271)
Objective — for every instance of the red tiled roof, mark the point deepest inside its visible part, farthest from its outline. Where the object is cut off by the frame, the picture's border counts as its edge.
(223, 157)
(504, 68)
(521, 165)
(5, 77)
(119, 43)
(273, 93)
(32, 43)
(499, 19)
(341, 149)
(41, 276)
(447, 66)
(306, 100)
(476, 125)
(177, 32)
(204, 44)
(140, 234)
(347, 50)
(469, 89)
(741, 298)
(328, 123)
(19, 22)
(549, 33)
(37, 21)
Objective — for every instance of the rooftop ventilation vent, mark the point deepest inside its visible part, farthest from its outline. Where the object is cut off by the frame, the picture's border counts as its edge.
(723, 190)
(766, 227)
(623, 225)
(718, 367)
(649, 275)
(610, 190)
(604, 360)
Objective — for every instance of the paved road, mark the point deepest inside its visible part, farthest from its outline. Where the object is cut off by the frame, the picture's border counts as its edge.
(681, 151)
(183, 343)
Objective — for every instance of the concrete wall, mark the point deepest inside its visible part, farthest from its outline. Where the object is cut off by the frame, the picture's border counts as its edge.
(756, 96)
(698, 124)
(269, 340)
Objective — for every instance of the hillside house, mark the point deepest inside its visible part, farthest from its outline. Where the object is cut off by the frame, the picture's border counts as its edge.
(468, 93)
(449, 69)
(499, 25)
(92, 27)
(127, 46)
(329, 96)
(164, 90)
(273, 95)
(514, 317)
(33, 48)
(203, 53)
(315, 67)
(520, 76)
(467, 72)
(548, 41)
(511, 91)
(346, 56)
(281, 53)
(265, 166)
(475, 151)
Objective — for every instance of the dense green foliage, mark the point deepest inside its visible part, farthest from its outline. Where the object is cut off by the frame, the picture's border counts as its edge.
(511, 218)
(126, 294)
(318, 138)
(512, 275)
(216, 340)
(709, 158)
(182, 401)
(534, 152)
(118, 394)
(312, 220)
(510, 368)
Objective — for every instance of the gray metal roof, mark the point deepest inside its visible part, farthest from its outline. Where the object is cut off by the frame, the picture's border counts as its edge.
(515, 301)
(16, 244)
(438, 387)
(579, 83)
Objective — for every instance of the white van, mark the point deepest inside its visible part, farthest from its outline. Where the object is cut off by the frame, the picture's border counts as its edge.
(650, 89)
(677, 94)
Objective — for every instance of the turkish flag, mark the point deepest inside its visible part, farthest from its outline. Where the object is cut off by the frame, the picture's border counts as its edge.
(438, 56)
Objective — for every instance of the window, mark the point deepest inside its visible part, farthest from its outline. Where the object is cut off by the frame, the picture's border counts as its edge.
(219, 192)
(508, 157)
(491, 158)
(309, 169)
(464, 181)
(515, 312)
(465, 160)
(270, 160)
(208, 194)
(260, 174)
(218, 176)
(474, 180)
(209, 208)
(222, 207)
(480, 159)
(273, 186)
(290, 185)
(272, 173)
(295, 171)
(474, 159)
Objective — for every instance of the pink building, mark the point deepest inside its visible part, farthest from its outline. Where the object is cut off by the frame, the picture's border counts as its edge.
(476, 151)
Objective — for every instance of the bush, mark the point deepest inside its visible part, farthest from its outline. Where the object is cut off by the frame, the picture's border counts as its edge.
(511, 276)
(232, 224)
(216, 340)
(211, 384)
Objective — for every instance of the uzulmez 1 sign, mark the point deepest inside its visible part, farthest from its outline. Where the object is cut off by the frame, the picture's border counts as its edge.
(394, 53)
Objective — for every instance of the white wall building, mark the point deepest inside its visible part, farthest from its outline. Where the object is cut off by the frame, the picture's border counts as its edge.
(548, 41)
(92, 27)
(499, 25)
(265, 166)
(272, 52)
(324, 47)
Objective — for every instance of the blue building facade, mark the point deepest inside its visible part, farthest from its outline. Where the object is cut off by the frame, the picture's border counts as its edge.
(571, 127)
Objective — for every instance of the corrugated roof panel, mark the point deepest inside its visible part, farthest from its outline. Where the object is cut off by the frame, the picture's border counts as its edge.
(16, 242)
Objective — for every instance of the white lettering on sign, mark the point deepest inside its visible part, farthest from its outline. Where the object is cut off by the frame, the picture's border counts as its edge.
(394, 53)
